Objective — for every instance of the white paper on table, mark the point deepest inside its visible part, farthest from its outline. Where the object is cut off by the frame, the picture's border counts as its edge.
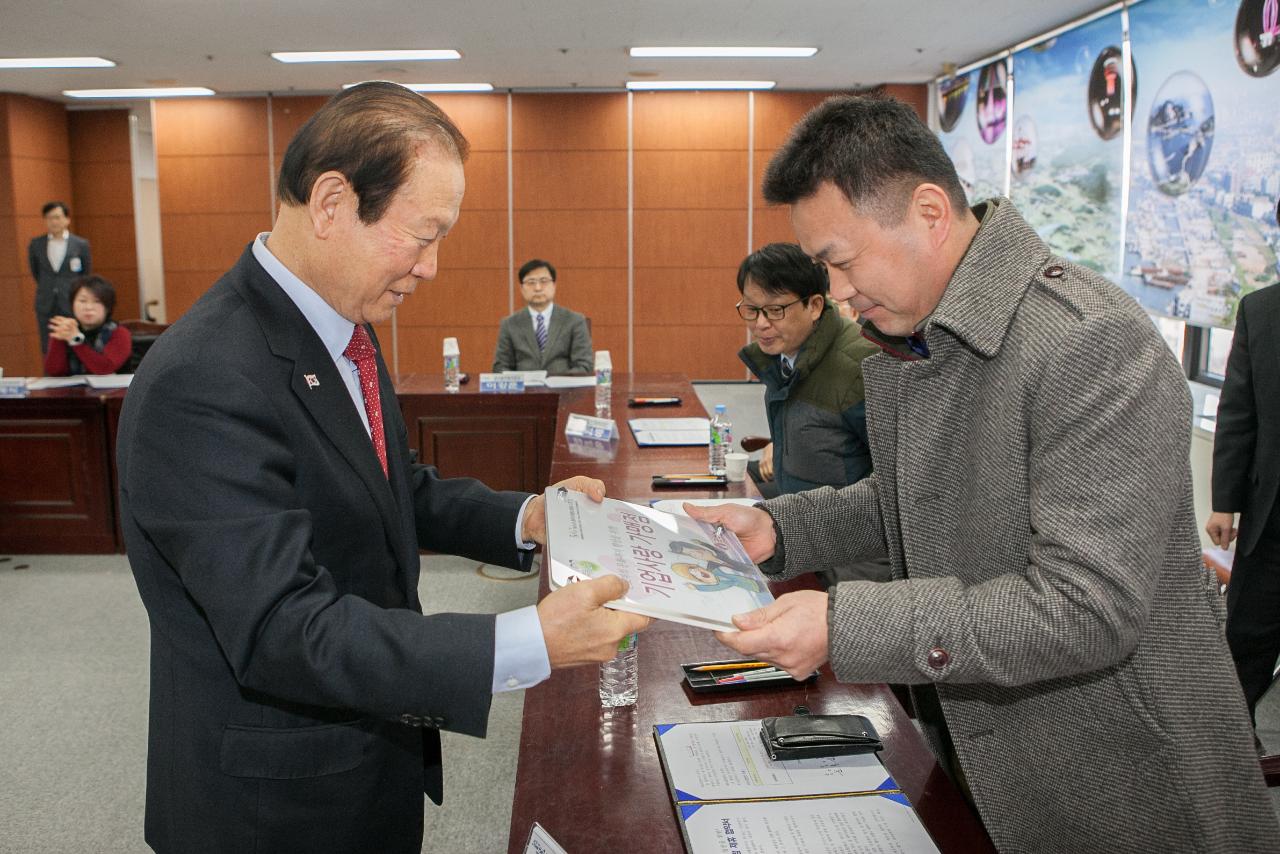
(40, 383)
(883, 824)
(671, 431)
(718, 760)
(676, 505)
(105, 381)
(570, 382)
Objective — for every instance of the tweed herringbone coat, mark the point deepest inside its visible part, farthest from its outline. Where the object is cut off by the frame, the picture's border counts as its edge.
(1032, 490)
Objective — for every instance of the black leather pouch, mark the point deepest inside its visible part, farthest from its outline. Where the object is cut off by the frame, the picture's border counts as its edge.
(808, 736)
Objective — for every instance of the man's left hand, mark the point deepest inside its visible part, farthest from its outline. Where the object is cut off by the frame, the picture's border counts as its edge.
(535, 515)
(791, 633)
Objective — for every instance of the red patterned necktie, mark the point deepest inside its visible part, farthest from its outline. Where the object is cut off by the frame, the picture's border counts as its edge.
(361, 351)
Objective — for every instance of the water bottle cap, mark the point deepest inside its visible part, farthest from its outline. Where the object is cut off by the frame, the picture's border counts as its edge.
(720, 407)
(451, 346)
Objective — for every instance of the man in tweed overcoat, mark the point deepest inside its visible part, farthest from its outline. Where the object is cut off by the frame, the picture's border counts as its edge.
(1030, 439)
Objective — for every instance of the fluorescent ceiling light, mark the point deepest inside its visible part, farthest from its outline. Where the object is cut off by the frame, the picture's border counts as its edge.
(55, 62)
(154, 92)
(701, 84)
(432, 87)
(363, 55)
(717, 52)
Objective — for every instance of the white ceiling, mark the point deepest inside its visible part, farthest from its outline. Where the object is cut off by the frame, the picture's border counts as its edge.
(519, 44)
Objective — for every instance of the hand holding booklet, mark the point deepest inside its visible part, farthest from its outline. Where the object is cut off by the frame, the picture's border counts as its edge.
(676, 567)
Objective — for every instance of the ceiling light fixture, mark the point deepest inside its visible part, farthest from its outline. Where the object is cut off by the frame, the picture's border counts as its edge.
(363, 55)
(701, 84)
(55, 62)
(153, 92)
(724, 52)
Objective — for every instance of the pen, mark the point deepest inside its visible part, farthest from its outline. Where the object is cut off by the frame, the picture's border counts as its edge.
(741, 665)
(753, 676)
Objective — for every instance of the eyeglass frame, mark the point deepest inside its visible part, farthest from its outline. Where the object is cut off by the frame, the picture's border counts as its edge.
(757, 310)
(542, 280)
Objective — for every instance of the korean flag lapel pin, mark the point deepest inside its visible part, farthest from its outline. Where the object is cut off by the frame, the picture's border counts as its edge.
(312, 382)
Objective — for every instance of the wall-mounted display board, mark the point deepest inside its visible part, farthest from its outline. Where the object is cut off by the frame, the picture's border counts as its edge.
(973, 118)
(1205, 163)
(1067, 167)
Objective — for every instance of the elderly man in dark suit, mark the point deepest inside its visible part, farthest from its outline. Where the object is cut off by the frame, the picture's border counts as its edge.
(1030, 433)
(1246, 478)
(273, 519)
(543, 336)
(56, 258)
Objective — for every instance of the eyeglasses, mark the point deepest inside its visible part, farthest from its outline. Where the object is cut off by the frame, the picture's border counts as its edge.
(772, 312)
(543, 281)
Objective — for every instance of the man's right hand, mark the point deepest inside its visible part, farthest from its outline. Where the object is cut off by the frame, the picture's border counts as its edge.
(766, 462)
(753, 526)
(577, 629)
(1221, 528)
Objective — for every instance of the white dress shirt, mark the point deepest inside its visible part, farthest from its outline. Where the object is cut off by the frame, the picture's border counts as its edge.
(57, 249)
(519, 651)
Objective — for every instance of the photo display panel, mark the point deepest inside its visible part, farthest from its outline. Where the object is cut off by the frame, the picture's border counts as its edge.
(973, 118)
(1204, 174)
(1067, 166)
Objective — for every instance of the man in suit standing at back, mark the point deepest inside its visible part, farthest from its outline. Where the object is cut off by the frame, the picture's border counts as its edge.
(1246, 477)
(273, 519)
(56, 258)
(543, 336)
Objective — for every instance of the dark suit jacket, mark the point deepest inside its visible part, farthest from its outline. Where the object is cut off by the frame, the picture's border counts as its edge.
(296, 690)
(53, 287)
(568, 344)
(1246, 443)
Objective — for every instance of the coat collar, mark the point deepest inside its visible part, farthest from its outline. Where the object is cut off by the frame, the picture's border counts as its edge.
(985, 291)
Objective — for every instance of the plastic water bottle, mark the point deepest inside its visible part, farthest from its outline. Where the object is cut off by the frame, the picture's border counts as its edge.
(721, 439)
(451, 360)
(604, 384)
(619, 678)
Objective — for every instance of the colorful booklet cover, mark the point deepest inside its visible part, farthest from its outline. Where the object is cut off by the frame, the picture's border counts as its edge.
(677, 568)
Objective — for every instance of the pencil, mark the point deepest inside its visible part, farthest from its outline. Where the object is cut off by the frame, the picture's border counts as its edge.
(741, 665)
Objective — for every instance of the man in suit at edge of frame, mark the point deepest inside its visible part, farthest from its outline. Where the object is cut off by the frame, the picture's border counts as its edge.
(273, 520)
(1031, 487)
(1246, 479)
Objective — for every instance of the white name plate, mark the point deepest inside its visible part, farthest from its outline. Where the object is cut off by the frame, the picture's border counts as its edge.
(586, 427)
(502, 383)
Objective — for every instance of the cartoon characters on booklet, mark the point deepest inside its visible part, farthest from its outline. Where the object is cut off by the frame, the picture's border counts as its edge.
(705, 568)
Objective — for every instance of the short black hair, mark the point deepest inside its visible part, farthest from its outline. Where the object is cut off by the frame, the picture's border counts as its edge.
(874, 148)
(529, 266)
(48, 206)
(783, 268)
(100, 288)
(370, 133)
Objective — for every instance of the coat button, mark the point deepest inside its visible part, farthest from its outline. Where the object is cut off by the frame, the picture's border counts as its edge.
(407, 719)
(938, 658)
(1054, 272)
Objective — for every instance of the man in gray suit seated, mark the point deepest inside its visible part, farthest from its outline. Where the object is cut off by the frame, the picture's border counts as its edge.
(543, 337)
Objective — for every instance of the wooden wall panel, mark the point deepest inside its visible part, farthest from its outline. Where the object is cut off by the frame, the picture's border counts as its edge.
(691, 195)
(212, 161)
(569, 172)
(102, 182)
(36, 168)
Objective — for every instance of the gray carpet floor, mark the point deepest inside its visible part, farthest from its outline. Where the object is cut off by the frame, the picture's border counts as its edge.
(73, 709)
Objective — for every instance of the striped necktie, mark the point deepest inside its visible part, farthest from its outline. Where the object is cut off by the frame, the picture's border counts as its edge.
(540, 330)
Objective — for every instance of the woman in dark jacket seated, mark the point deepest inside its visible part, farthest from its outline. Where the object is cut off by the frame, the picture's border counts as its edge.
(91, 342)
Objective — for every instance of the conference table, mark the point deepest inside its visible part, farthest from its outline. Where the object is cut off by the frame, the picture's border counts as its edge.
(590, 776)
